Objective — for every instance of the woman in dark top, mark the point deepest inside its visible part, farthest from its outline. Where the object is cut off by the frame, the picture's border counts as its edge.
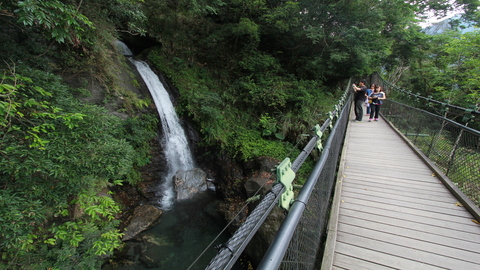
(377, 98)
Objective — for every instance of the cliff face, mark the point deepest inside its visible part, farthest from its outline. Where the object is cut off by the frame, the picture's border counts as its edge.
(438, 28)
(453, 23)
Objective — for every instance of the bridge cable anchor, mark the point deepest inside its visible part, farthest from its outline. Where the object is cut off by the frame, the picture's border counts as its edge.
(285, 175)
(330, 115)
(319, 133)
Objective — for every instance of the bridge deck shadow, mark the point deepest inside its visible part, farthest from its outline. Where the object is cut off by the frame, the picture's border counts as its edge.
(391, 212)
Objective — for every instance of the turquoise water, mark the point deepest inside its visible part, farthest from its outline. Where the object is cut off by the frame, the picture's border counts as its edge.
(182, 235)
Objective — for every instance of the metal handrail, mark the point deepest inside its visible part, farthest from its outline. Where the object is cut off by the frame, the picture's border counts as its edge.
(273, 257)
(232, 249)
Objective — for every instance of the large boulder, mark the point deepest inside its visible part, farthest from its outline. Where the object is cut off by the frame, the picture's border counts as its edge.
(189, 183)
(143, 217)
(259, 184)
(260, 180)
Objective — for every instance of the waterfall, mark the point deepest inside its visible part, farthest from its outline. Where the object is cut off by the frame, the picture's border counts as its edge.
(122, 47)
(186, 230)
(177, 151)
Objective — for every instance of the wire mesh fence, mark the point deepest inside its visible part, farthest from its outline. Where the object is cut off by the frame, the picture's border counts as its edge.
(456, 113)
(453, 147)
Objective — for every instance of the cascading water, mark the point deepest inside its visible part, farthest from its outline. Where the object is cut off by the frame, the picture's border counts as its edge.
(123, 48)
(184, 232)
(177, 151)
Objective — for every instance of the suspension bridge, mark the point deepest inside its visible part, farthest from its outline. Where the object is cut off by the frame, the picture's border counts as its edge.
(400, 193)
(391, 210)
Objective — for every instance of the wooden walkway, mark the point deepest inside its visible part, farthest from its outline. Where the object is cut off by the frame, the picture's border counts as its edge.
(391, 212)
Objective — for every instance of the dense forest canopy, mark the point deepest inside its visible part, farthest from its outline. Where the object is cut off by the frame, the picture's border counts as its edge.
(276, 65)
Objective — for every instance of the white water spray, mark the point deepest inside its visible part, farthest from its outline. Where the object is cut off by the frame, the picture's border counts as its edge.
(177, 151)
(122, 47)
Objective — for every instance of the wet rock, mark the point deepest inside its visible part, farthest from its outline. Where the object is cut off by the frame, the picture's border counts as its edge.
(152, 240)
(231, 177)
(189, 183)
(148, 261)
(153, 174)
(260, 181)
(155, 255)
(143, 217)
(259, 184)
(127, 195)
(127, 257)
(233, 211)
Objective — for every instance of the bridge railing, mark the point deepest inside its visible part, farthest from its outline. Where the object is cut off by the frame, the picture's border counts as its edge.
(319, 185)
(443, 108)
(300, 239)
(452, 147)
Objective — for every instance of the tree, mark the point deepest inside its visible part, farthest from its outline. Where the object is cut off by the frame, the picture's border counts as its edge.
(63, 22)
(456, 70)
(463, 56)
(56, 154)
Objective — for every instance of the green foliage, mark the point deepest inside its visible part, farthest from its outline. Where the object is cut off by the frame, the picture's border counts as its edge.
(82, 241)
(273, 107)
(128, 14)
(248, 28)
(19, 217)
(138, 133)
(30, 30)
(260, 64)
(305, 170)
(198, 98)
(63, 22)
(252, 75)
(26, 116)
(53, 149)
(463, 68)
(308, 39)
(264, 94)
(71, 24)
(268, 125)
(447, 69)
(248, 144)
(282, 17)
(81, 149)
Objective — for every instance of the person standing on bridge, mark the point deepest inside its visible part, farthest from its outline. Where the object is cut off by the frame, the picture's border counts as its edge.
(377, 98)
(359, 98)
(369, 92)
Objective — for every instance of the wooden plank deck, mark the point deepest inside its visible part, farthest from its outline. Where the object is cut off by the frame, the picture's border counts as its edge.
(391, 212)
